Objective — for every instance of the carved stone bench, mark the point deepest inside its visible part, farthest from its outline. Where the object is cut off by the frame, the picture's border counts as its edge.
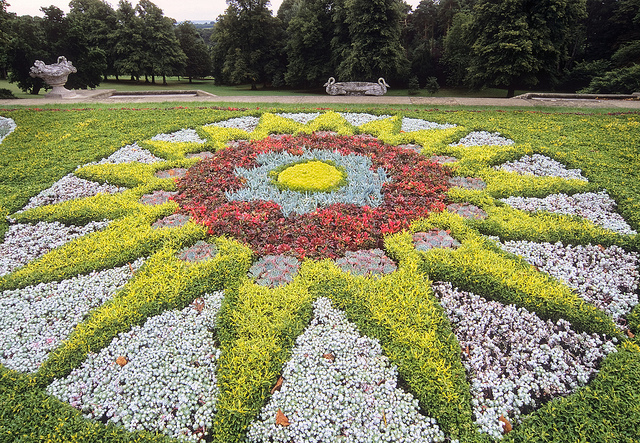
(356, 88)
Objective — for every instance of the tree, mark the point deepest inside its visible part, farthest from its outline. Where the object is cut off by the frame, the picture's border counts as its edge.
(163, 55)
(198, 58)
(308, 45)
(423, 39)
(128, 48)
(246, 43)
(26, 45)
(518, 43)
(91, 27)
(6, 20)
(457, 43)
(374, 49)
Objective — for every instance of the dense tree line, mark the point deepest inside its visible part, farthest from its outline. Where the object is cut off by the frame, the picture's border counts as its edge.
(569, 45)
(128, 41)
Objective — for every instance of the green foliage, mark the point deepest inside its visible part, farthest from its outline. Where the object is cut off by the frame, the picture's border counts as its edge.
(162, 51)
(373, 49)
(432, 85)
(128, 48)
(414, 85)
(25, 46)
(198, 63)
(617, 81)
(457, 49)
(245, 41)
(309, 30)
(517, 42)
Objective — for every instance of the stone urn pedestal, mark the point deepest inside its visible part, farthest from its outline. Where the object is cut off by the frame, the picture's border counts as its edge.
(56, 76)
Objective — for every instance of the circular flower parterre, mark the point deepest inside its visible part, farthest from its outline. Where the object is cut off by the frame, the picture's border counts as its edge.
(482, 316)
(387, 188)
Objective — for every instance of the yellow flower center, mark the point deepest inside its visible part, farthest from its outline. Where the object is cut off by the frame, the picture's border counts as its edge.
(313, 176)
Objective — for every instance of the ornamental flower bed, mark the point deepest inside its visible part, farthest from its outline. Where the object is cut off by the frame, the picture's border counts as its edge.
(451, 280)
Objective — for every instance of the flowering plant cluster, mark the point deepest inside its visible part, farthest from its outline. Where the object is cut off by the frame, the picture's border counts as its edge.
(417, 188)
(459, 328)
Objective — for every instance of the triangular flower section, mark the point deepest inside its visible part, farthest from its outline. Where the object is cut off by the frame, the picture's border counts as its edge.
(339, 387)
(515, 361)
(160, 376)
(605, 277)
(37, 319)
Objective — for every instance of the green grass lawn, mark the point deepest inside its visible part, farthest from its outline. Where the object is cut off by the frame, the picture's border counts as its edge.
(208, 85)
(258, 326)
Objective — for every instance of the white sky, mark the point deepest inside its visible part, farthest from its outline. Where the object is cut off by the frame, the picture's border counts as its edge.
(193, 10)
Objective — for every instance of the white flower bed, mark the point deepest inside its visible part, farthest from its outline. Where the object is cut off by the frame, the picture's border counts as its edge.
(247, 123)
(605, 277)
(483, 138)
(68, 188)
(26, 242)
(541, 166)
(7, 126)
(300, 117)
(598, 208)
(35, 320)
(338, 387)
(128, 154)
(181, 136)
(359, 119)
(514, 359)
(417, 124)
(168, 383)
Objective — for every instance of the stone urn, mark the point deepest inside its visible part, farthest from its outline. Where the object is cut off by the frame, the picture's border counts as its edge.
(55, 75)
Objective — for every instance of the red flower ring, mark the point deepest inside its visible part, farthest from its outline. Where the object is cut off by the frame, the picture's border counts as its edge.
(417, 187)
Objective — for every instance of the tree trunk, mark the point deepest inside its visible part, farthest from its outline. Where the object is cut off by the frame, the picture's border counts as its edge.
(511, 91)
(254, 87)
(189, 79)
(153, 79)
(164, 80)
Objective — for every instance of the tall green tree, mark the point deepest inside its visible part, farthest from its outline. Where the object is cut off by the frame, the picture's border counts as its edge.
(27, 44)
(163, 55)
(5, 37)
(457, 44)
(198, 62)
(308, 46)
(129, 52)
(374, 48)
(247, 43)
(518, 43)
(91, 27)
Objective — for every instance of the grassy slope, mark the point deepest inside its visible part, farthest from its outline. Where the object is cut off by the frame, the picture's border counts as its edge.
(48, 145)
